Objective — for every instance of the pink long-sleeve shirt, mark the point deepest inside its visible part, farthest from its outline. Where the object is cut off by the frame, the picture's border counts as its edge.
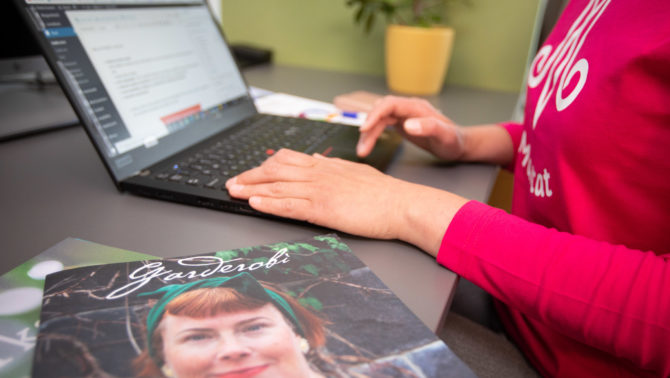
(581, 265)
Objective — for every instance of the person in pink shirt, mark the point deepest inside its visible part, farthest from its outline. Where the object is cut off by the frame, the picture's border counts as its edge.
(580, 267)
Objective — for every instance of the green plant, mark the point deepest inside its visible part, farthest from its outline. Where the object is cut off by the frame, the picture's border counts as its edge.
(404, 12)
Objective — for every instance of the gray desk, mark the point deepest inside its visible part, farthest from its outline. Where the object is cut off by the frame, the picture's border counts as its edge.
(54, 185)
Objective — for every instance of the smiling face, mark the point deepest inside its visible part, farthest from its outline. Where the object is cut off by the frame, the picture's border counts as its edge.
(248, 343)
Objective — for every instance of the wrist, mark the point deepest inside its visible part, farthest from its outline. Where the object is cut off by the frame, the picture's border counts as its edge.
(427, 216)
(468, 143)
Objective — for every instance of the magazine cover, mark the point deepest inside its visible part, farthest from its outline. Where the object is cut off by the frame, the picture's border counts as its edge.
(308, 308)
(21, 296)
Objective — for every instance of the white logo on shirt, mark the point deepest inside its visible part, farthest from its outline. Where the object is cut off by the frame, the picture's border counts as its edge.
(539, 181)
(556, 68)
(559, 67)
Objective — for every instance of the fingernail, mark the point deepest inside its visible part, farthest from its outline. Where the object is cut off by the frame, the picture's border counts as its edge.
(360, 146)
(412, 126)
(254, 201)
(236, 188)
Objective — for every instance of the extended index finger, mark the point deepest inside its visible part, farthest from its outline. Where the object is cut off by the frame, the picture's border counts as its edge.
(399, 109)
(383, 110)
(368, 138)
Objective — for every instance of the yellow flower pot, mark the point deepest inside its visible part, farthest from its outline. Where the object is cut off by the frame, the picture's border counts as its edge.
(417, 58)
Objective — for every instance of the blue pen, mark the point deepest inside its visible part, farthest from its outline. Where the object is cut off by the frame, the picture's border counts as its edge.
(350, 114)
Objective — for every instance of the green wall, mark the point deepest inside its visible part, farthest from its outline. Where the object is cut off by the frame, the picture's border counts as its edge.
(491, 47)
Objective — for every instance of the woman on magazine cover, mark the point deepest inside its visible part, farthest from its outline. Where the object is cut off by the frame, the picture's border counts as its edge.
(230, 325)
(580, 266)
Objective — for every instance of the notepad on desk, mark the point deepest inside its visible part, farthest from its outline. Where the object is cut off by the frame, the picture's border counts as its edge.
(288, 105)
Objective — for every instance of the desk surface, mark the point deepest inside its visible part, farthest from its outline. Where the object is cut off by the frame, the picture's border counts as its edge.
(55, 186)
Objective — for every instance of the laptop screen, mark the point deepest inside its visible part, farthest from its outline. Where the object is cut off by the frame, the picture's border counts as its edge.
(147, 78)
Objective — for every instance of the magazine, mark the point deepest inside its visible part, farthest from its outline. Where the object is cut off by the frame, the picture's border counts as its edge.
(307, 308)
(21, 296)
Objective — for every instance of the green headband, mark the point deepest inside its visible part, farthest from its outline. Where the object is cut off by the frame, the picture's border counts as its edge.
(244, 283)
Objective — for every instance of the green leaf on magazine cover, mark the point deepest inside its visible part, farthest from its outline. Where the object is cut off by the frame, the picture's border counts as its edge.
(308, 247)
(332, 242)
(227, 255)
(311, 302)
(280, 246)
(311, 268)
(245, 251)
(260, 259)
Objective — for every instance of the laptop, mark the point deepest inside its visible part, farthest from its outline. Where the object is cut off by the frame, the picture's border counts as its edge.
(158, 91)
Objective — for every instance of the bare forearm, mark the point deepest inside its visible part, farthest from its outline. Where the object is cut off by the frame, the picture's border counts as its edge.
(487, 143)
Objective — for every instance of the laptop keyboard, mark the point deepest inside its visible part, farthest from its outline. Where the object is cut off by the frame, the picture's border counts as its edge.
(255, 141)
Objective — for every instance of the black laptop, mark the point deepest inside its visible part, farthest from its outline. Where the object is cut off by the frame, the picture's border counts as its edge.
(157, 89)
